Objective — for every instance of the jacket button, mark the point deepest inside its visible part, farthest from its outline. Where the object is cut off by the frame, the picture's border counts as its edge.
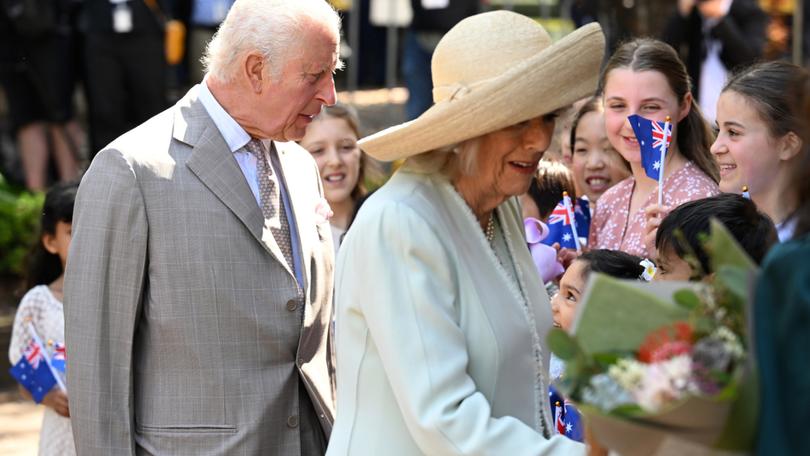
(292, 305)
(292, 421)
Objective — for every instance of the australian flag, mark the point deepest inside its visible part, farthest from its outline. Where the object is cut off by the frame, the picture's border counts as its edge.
(652, 136)
(32, 372)
(567, 420)
(559, 224)
(59, 358)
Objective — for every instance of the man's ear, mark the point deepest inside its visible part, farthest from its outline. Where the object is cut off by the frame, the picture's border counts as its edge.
(49, 242)
(789, 146)
(254, 70)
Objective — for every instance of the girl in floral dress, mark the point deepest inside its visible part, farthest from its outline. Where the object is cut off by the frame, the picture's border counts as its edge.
(647, 78)
(42, 307)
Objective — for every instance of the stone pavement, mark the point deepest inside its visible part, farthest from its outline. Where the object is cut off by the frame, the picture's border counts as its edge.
(20, 420)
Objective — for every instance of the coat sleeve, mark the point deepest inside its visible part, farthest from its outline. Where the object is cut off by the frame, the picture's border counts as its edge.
(407, 290)
(104, 285)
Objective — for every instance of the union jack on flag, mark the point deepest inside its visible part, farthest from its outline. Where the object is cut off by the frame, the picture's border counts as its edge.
(559, 224)
(653, 138)
(559, 215)
(33, 354)
(662, 135)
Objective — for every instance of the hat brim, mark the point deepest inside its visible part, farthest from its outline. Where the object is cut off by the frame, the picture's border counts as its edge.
(555, 77)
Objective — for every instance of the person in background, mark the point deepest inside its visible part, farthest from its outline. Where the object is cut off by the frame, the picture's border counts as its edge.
(439, 317)
(331, 138)
(781, 318)
(38, 74)
(42, 307)
(431, 20)
(125, 65)
(679, 243)
(198, 292)
(595, 164)
(759, 141)
(715, 37)
(647, 78)
(546, 189)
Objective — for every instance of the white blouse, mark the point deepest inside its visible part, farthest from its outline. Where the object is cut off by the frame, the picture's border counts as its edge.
(44, 311)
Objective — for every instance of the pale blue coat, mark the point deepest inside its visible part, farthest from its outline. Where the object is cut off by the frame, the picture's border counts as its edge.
(437, 351)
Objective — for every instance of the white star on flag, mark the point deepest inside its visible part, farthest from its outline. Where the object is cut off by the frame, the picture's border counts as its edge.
(566, 237)
(657, 165)
(568, 428)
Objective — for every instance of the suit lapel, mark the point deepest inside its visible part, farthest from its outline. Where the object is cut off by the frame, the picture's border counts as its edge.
(213, 163)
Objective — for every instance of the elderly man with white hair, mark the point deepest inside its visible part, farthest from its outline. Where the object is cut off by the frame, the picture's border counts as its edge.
(198, 289)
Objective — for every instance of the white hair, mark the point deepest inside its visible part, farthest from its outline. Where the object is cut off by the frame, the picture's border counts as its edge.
(271, 27)
(453, 160)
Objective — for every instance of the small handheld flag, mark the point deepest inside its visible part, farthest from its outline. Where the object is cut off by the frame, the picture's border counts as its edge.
(567, 419)
(569, 209)
(653, 139)
(33, 373)
(560, 224)
(745, 193)
(59, 359)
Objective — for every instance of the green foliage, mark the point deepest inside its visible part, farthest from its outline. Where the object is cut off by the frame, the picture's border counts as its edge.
(19, 222)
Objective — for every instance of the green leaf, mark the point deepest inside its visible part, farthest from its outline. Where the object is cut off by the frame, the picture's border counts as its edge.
(563, 345)
(724, 250)
(616, 315)
(735, 280)
(687, 299)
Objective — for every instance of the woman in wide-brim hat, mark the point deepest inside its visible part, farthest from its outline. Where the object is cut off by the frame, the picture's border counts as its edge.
(441, 321)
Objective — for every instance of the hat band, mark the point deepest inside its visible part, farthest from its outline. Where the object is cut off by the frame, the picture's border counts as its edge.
(455, 91)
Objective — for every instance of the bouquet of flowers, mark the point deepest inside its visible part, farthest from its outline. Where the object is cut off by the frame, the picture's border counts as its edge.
(650, 364)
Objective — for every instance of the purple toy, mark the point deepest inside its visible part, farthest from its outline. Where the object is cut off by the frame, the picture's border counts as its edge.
(544, 256)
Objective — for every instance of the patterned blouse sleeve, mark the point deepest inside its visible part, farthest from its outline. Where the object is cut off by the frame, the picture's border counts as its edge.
(31, 308)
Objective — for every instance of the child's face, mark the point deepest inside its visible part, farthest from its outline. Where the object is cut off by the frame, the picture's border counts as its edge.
(646, 93)
(564, 303)
(333, 145)
(596, 166)
(58, 242)
(671, 267)
(744, 149)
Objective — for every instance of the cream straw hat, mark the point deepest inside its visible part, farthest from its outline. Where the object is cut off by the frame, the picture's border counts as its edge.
(490, 71)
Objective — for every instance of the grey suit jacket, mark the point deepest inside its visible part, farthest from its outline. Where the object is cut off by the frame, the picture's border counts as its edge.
(186, 334)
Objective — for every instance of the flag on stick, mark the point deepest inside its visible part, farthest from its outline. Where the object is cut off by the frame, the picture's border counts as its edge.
(564, 226)
(653, 139)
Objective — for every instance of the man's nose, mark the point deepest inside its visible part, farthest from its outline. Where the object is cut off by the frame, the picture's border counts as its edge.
(328, 94)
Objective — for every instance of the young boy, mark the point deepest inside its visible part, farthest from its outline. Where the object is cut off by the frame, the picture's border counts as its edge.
(679, 235)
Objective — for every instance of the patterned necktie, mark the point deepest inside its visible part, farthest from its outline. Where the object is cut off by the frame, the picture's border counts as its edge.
(274, 215)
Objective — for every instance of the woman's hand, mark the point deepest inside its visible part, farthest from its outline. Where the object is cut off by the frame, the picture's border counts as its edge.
(58, 401)
(655, 215)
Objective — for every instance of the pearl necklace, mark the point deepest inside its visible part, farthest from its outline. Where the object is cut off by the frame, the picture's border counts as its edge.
(490, 231)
